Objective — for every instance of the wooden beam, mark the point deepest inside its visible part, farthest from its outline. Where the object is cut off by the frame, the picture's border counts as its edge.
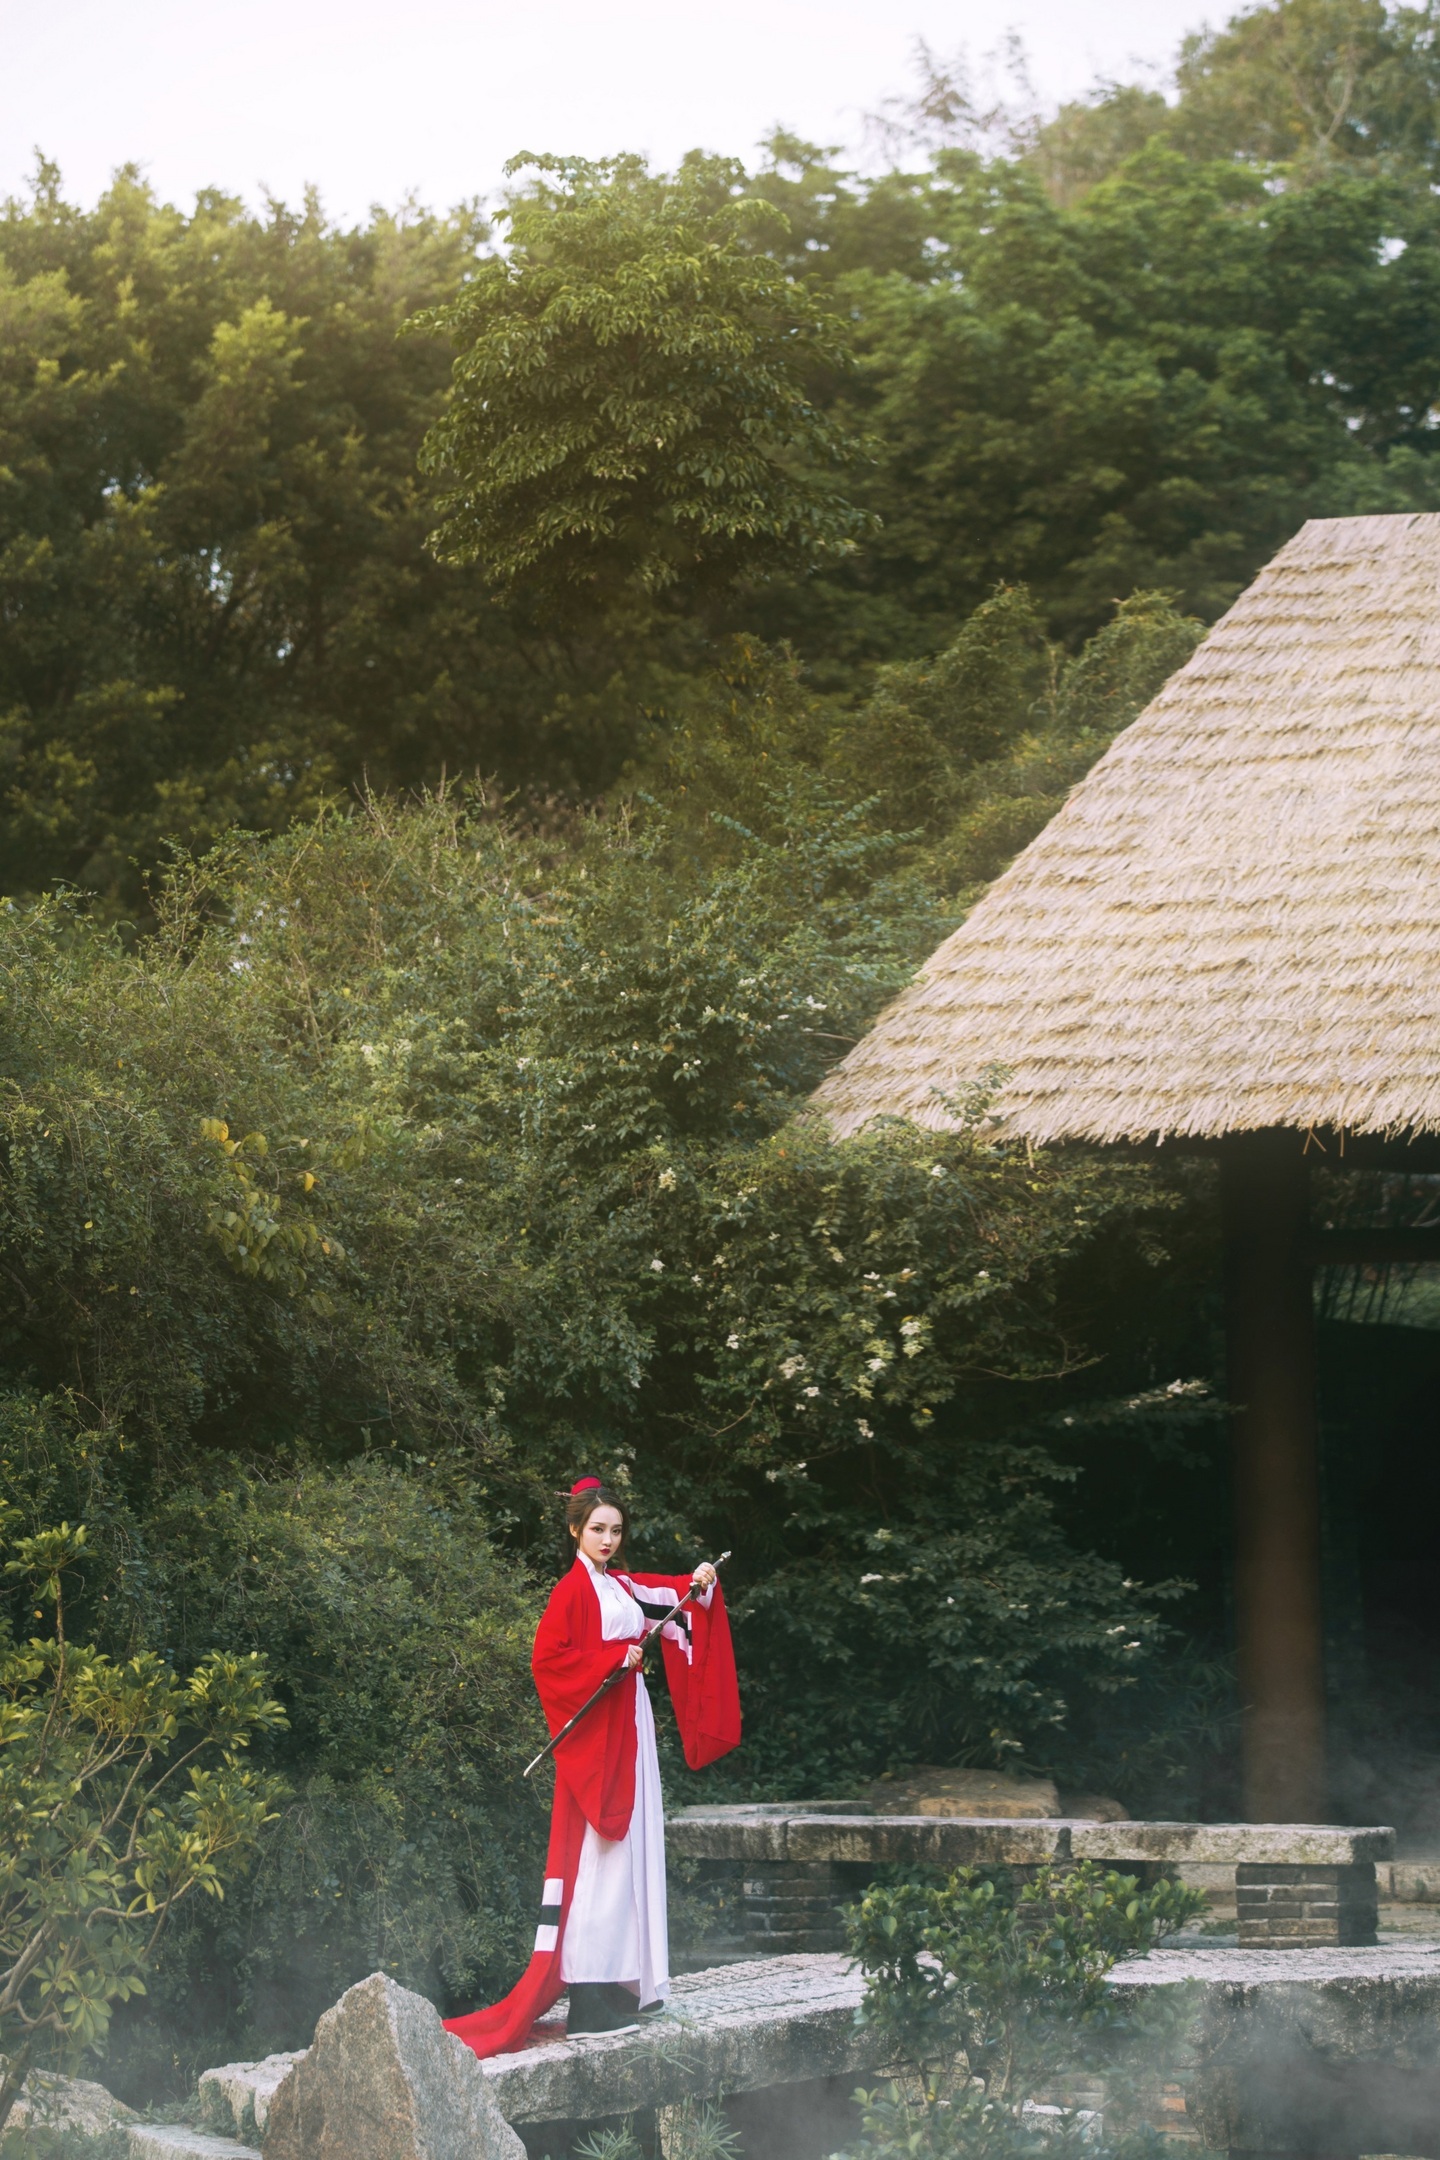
(1270, 1347)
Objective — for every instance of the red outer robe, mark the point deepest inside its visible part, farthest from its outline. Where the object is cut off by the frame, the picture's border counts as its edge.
(595, 1767)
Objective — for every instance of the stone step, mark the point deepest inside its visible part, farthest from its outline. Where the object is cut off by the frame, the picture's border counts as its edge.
(177, 2141)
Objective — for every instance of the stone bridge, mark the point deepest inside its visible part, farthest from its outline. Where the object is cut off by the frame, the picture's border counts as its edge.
(1300, 2039)
(1286, 2052)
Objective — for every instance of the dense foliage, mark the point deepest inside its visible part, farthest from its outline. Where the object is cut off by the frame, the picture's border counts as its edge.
(415, 1160)
(1132, 345)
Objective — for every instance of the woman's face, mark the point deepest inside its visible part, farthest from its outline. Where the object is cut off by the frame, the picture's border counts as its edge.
(599, 1540)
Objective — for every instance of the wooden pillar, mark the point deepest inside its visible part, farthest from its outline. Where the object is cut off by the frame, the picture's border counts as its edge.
(1270, 1344)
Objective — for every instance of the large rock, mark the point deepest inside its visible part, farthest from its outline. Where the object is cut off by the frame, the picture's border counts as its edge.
(77, 2106)
(385, 2081)
(1093, 1807)
(984, 1793)
(236, 2097)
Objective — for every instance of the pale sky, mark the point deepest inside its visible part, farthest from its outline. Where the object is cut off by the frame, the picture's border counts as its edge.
(370, 100)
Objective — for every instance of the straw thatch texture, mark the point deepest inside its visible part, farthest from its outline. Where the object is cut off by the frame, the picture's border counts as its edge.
(1235, 920)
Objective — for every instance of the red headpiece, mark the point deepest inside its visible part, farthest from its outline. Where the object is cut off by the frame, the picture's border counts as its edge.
(585, 1484)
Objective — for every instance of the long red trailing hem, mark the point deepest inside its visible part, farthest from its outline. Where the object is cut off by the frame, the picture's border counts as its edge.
(595, 1767)
(507, 2024)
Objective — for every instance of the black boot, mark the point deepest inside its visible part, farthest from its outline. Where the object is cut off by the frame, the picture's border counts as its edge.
(600, 2006)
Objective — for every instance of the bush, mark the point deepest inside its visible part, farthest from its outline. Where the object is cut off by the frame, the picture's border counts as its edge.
(988, 1993)
(123, 1791)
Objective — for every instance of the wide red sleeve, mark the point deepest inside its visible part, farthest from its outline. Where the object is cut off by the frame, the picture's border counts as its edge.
(704, 1686)
(570, 1660)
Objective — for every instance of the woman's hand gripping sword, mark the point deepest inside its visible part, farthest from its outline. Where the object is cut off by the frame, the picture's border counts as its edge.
(621, 1672)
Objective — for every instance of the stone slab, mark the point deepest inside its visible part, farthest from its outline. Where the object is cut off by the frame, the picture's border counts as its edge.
(696, 1836)
(1241, 1973)
(1251, 1844)
(741, 2028)
(992, 1841)
(1409, 1882)
(930, 1840)
(172, 2141)
(869, 1840)
(1356, 2030)
(766, 1810)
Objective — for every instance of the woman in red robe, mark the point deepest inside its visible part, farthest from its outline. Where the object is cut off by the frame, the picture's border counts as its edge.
(602, 1932)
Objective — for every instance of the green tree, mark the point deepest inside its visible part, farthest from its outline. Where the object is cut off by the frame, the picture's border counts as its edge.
(978, 746)
(1310, 82)
(637, 396)
(217, 601)
(123, 1790)
(1151, 387)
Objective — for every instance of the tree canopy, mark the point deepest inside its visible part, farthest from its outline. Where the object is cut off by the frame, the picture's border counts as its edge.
(635, 400)
(1130, 345)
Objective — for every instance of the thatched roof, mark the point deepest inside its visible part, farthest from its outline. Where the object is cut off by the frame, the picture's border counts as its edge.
(1235, 920)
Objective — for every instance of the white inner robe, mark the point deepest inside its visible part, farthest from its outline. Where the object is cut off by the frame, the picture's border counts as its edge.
(617, 1928)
